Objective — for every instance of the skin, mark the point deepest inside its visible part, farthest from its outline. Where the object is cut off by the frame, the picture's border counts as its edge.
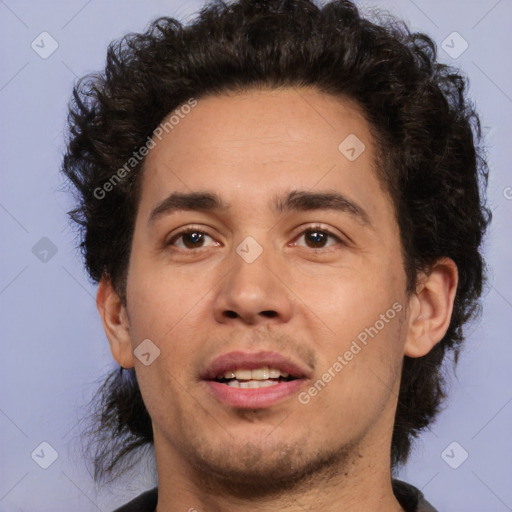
(195, 304)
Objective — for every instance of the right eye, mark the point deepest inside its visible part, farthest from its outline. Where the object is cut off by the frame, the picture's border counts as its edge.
(189, 239)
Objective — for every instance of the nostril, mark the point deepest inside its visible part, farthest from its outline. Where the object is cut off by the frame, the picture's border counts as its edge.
(233, 314)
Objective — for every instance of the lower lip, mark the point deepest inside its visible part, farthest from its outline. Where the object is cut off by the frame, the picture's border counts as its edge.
(253, 398)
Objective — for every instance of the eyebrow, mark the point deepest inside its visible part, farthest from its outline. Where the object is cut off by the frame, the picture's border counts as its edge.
(296, 200)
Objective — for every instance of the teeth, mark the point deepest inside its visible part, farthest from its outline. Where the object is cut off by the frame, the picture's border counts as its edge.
(252, 384)
(243, 374)
(260, 373)
(263, 373)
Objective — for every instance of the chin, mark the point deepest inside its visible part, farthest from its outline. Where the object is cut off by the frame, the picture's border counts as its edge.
(249, 470)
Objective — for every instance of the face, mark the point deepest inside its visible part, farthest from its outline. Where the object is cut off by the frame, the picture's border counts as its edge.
(261, 242)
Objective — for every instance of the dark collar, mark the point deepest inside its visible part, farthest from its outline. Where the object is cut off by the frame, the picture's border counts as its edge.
(410, 498)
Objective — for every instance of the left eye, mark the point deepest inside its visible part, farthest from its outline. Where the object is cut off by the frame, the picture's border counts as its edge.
(317, 238)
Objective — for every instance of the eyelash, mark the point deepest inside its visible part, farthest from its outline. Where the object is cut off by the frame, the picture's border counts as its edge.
(193, 229)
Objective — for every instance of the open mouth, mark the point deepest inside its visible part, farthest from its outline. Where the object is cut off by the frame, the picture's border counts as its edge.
(252, 379)
(257, 380)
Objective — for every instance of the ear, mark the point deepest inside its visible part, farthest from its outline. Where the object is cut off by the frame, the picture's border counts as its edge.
(430, 308)
(115, 322)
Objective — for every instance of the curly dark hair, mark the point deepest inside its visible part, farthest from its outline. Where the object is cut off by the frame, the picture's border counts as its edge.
(428, 135)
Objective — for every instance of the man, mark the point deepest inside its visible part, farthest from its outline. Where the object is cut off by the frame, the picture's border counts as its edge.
(283, 207)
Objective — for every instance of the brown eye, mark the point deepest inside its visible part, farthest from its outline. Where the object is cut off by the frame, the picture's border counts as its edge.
(190, 239)
(318, 238)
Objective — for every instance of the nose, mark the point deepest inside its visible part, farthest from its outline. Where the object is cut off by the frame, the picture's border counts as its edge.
(253, 293)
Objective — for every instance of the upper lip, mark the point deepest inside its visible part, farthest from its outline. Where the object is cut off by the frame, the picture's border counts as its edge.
(250, 361)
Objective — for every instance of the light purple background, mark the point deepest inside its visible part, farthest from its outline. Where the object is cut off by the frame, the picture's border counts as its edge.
(54, 350)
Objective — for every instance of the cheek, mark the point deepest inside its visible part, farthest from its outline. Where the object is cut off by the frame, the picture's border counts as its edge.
(353, 297)
(168, 312)
(361, 379)
(171, 312)
(160, 302)
(364, 310)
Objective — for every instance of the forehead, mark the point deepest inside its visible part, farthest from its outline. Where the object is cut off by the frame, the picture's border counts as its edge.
(260, 142)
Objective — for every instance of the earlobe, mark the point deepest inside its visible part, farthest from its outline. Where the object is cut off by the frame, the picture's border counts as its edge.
(430, 308)
(115, 323)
